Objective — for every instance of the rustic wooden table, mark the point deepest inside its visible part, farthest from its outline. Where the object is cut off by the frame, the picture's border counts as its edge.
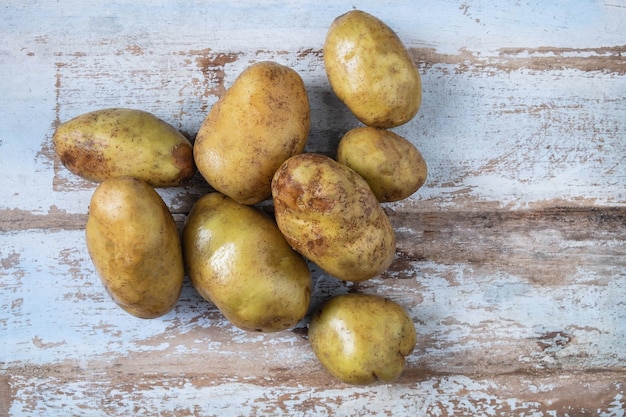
(511, 259)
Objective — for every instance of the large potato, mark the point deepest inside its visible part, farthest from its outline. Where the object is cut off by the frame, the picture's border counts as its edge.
(391, 165)
(329, 214)
(124, 142)
(237, 258)
(261, 120)
(370, 70)
(135, 247)
(361, 337)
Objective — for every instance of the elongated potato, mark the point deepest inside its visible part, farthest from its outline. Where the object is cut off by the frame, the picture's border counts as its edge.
(370, 70)
(135, 247)
(328, 213)
(119, 142)
(237, 258)
(261, 120)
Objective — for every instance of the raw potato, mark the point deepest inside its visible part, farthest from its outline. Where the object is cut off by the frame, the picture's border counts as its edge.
(124, 142)
(391, 165)
(329, 214)
(361, 337)
(237, 258)
(135, 247)
(261, 120)
(370, 70)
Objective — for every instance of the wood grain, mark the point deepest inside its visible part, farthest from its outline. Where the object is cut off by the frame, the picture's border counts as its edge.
(511, 259)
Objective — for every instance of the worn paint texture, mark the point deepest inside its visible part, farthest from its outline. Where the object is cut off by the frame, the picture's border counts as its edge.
(511, 259)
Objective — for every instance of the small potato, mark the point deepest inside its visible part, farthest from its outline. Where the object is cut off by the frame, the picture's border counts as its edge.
(134, 245)
(124, 142)
(237, 258)
(390, 164)
(360, 338)
(261, 120)
(329, 214)
(370, 70)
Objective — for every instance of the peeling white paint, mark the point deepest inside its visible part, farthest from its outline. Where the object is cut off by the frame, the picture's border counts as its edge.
(54, 296)
(435, 397)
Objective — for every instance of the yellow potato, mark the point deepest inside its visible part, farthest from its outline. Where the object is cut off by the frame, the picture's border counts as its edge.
(370, 70)
(124, 142)
(135, 247)
(237, 258)
(261, 120)
(360, 338)
(391, 165)
(329, 214)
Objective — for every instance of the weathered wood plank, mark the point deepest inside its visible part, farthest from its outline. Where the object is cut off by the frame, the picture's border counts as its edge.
(531, 289)
(486, 145)
(502, 124)
(112, 392)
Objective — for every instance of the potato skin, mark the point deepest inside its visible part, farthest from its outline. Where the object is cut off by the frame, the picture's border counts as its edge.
(329, 214)
(261, 120)
(360, 338)
(392, 166)
(237, 258)
(370, 70)
(134, 245)
(119, 142)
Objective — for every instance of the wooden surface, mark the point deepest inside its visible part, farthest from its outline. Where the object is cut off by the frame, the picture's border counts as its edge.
(511, 259)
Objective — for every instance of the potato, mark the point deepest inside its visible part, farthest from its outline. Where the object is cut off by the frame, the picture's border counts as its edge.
(329, 214)
(261, 120)
(370, 70)
(391, 165)
(237, 258)
(135, 246)
(360, 338)
(119, 142)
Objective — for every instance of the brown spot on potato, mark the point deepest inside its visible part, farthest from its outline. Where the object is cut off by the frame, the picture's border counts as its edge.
(318, 246)
(85, 162)
(183, 160)
(290, 190)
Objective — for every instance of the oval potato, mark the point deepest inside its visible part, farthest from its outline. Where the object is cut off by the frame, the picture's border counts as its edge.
(134, 245)
(329, 214)
(261, 120)
(360, 338)
(119, 142)
(237, 258)
(370, 70)
(392, 166)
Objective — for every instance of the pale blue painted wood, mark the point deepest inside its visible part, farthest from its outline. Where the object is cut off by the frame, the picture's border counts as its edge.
(496, 132)
(564, 143)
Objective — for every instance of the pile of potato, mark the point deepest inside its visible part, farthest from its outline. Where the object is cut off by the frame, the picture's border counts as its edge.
(250, 148)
